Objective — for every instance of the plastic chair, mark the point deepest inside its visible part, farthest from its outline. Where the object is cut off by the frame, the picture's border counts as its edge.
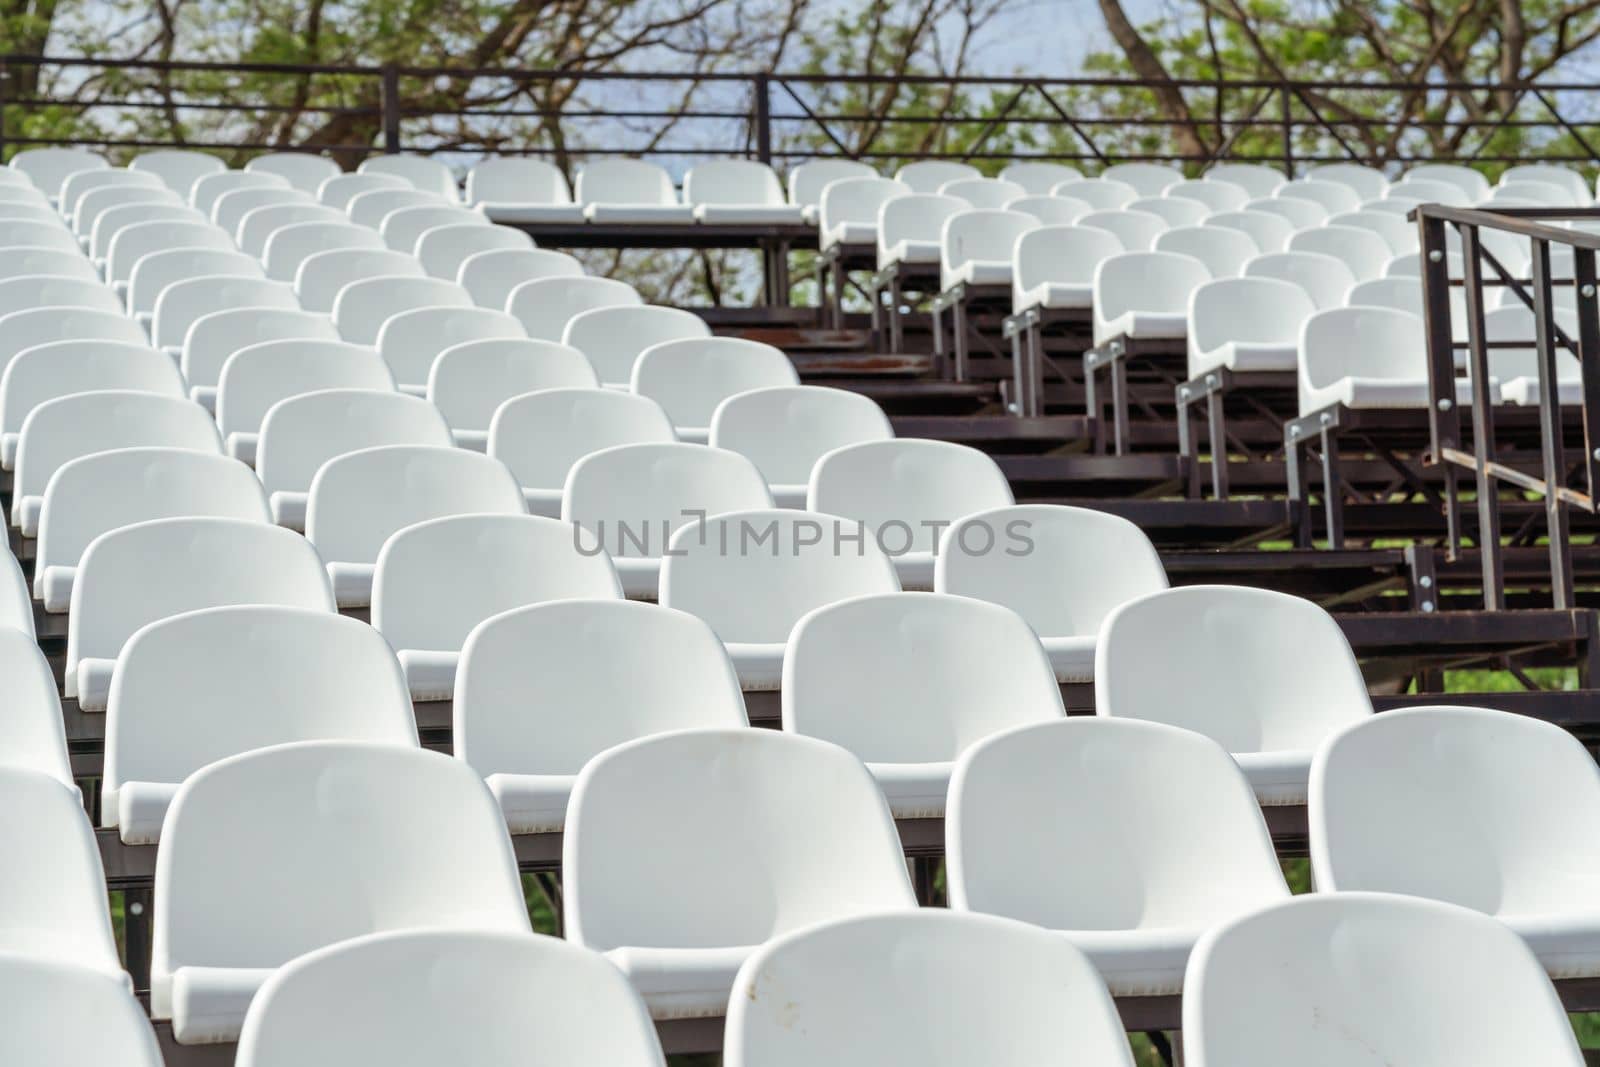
(22, 330)
(16, 609)
(1300, 214)
(491, 276)
(134, 575)
(847, 214)
(1215, 195)
(28, 294)
(362, 308)
(747, 818)
(1051, 210)
(358, 499)
(290, 674)
(47, 168)
(630, 499)
(259, 224)
(1038, 178)
(1143, 295)
(468, 382)
(178, 168)
(1577, 189)
(302, 170)
(1408, 981)
(321, 276)
(613, 337)
(985, 194)
(1044, 822)
(95, 202)
(255, 831)
(930, 175)
(1368, 357)
(1325, 279)
(209, 188)
(738, 191)
(215, 336)
(31, 738)
(1399, 235)
(808, 180)
(1517, 369)
(910, 227)
(1149, 179)
(420, 172)
(258, 376)
(442, 249)
(689, 378)
(508, 993)
(857, 673)
(521, 190)
(153, 272)
(229, 209)
(1101, 194)
(1055, 265)
(1223, 251)
(1335, 196)
(35, 233)
(183, 303)
(339, 189)
(784, 430)
(59, 1012)
(981, 990)
(540, 435)
(544, 307)
(1256, 179)
(904, 491)
(977, 247)
(629, 190)
(411, 340)
(1366, 182)
(1174, 211)
(111, 222)
(1429, 192)
(26, 262)
(437, 580)
(372, 207)
(401, 229)
(1365, 252)
(166, 239)
(1246, 324)
(302, 433)
(1545, 194)
(1270, 232)
(75, 186)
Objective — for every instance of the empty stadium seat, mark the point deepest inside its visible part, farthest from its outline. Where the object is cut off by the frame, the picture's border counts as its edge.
(258, 376)
(1564, 177)
(17, 214)
(1215, 195)
(303, 170)
(40, 325)
(1223, 251)
(178, 168)
(35, 233)
(76, 185)
(1043, 820)
(95, 203)
(738, 191)
(985, 194)
(521, 190)
(1102, 194)
(16, 610)
(182, 304)
(1363, 251)
(629, 190)
(1410, 266)
(980, 990)
(468, 382)
(133, 244)
(209, 188)
(1175, 211)
(28, 294)
(30, 727)
(339, 189)
(540, 435)
(289, 674)
(420, 172)
(437, 580)
(631, 498)
(784, 430)
(358, 499)
(747, 819)
(22, 262)
(1246, 324)
(1368, 357)
(637, 669)
(507, 993)
(1270, 232)
(613, 337)
(302, 433)
(255, 830)
(47, 168)
(1429, 192)
(443, 249)
(1150, 179)
(1336, 196)
(1142, 295)
(111, 222)
(1517, 369)
(910, 227)
(857, 674)
(491, 276)
(1325, 279)
(930, 175)
(1055, 265)
(229, 209)
(136, 574)
(104, 491)
(545, 306)
(1544, 194)
(1037, 178)
(258, 225)
(362, 308)
(1399, 234)
(71, 426)
(1301, 214)
(1257, 179)
(372, 207)
(215, 336)
(906, 491)
(690, 377)
(808, 180)
(402, 229)
(847, 214)
(1368, 183)
(321, 276)
(60, 1012)
(976, 247)
(153, 272)
(411, 340)
(1051, 210)
(58, 912)
(1408, 981)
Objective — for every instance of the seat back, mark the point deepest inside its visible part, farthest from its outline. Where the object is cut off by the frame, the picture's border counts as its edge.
(258, 376)
(1361, 342)
(133, 244)
(1159, 282)
(215, 336)
(229, 209)
(182, 303)
(1051, 210)
(1399, 235)
(1326, 279)
(113, 220)
(209, 188)
(363, 307)
(411, 340)
(61, 368)
(490, 276)
(339, 189)
(1256, 179)
(1334, 195)
(1270, 232)
(154, 272)
(76, 185)
(1363, 251)
(808, 180)
(60, 1011)
(517, 181)
(981, 236)
(443, 249)
(689, 378)
(301, 433)
(1102, 194)
(402, 228)
(1215, 195)
(178, 168)
(1367, 183)
(1150, 179)
(303, 170)
(1572, 182)
(1512, 323)
(546, 305)
(918, 217)
(625, 181)
(16, 608)
(22, 262)
(30, 734)
(784, 430)
(540, 435)
(1137, 230)
(732, 181)
(1301, 214)
(1038, 178)
(991, 194)
(321, 276)
(258, 225)
(928, 175)
(22, 330)
(1255, 310)
(48, 168)
(613, 337)
(1173, 210)
(76, 425)
(420, 172)
(1063, 255)
(41, 291)
(858, 200)
(94, 203)
(372, 207)
(468, 382)
(1223, 251)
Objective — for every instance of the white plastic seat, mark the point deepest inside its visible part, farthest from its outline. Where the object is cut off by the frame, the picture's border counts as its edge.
(1174, 211)
(545, 306)
(1256, 179)
(56, 912)
(1400, 205)
(140, 241)
(1429, 192)
(1055, 265)
(153, 272)
(178, 168)
(637, 670)
(1037, 177)
(1367, 183)
(209, 188)
(259, 224)
(540, 435)
(1517, 369)
(437, 580)
(1215, 195)
(1223, 251)
(857, 673)
(181, 304)
(134, 575)
(411, 340)
(976, 247)
(22, 262)
(468, 382)
(75, 186)
(1410, 266)
(1301, 214)
(784, 430)
(1544, 194)
(71, 426)
(985, 194)
(95, 202)
(808, 180)
(1044, 822)
(60, 1012)
(60, 368)
(36, 233)
(1144, 295)
(904, 490)
(1266, 675)
(1365, 252)
(42, 291)
(1246, 324)
(1368, 357)
(372, 207)
(420, 172)
(508, 993)
(490, 277)
(41, 325)
(629, 190)
(982, 990)
(738, 191)
(848, 211)
(1270, 232)
(1409, 981)
(322, 275)
(748, 818)
(1051, 210)
(338, 190)
(14, 212)
(1062, 569)
(909, 228)
(215, 336)
(443, 249)
(1397, 233)
(689, 378)
(930, 175)
(288, 674)
(321, 841)
(303, 432)
(16, 609)
(47, 168)
(1496, 794)
(358, 499)
(31, 738)
(629, 499)
(1336, 196)
(258, 376)
(1326, 280)
(513, 190)
(1150, 179)
(1101, 194)
(402, 228)
(103, 491)
(613, 337)
(752, 575)
(362, 308)
(1566, 178)
(113, 221)
(229, 209)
